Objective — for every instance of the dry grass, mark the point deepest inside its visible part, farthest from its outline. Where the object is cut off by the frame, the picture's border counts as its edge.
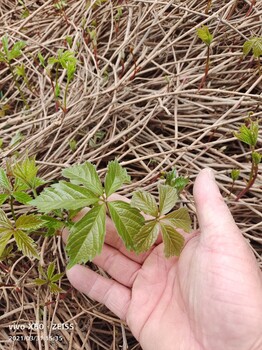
(151, 119)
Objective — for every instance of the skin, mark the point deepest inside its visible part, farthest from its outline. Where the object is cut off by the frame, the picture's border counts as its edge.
(210, 298)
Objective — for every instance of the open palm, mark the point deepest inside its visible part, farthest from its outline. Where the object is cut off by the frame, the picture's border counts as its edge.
(210, 298)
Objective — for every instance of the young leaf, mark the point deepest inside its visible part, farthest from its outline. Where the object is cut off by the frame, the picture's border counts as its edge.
(26, 171)
(249, 134)
(51, 222)
(145, 202)
(234, 174)
(4, 182)
(25, 244)
(4, 238)
(40, 281)
(86, 237)
(50, 270)
(29, 222)
(64, 195)
(22, 197)
(41, 59)
(116, 176)
(84, 174)
(204, 34)
(4, 221)
(146, 236)
(254, 44)
(179, 218)
(16, 52)
(127, 220)
(173, 241)
(256, 157)
(167, 198)
(55, 289)
(57, 277)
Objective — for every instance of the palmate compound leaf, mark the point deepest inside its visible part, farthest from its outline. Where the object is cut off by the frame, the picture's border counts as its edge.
(116, 176)
(248, 135)
(64, 195)
(29, 222)
(167, 198)
(146, 236)
(254, 44)
(127, 220)
(84, 174)
(87, 236)
(173, 240)
(25, 243)
(145, 202)
(179, 218)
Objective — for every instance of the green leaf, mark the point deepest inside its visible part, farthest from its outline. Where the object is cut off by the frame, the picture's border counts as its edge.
(116, 176)
(145, 202)
(4, 238)
(146, 236)
(256, 157)
(22, 197)
(3, 198)
(40, 281)
(41, 59)
(7, 253)
(248, 134)
(87, 236)
(26, 171)
(84, 174)
(51, 222)
(16, 52)
(4, 181)
(254, 44)
(25, 244)
(57, 90)
(179, 218)
(204, 34)
(127, 220)
(173, 241)
(4, 221)
(234, 174)
(64, 195)
(5, 45)
(55, 289)
(57, 277)
(18, 137)
(20, 70)
(167, 198)
(50, 270)
(29, 222)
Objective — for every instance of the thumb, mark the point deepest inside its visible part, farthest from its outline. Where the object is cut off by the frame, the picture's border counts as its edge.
(213, 214)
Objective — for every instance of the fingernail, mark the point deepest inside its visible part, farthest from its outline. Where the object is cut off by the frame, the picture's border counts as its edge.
(210, 174)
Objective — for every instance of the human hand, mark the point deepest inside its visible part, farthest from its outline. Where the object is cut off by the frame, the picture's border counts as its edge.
(210, 298)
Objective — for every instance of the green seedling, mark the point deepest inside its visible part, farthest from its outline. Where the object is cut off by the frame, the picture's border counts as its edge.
(49, 278)
(16, 139)
(234, 176)
(21, 73)
(60, 6)
(118, 17)
(7, 56)
(4, 109)
(98, 137)
(73, 145)
(69, 40)
(92, 34)
(248, 134)
(25, 12)
(254, 45)
(66, 60)
(95, 4)
(204, 34)
(208, 7)
(86, 236)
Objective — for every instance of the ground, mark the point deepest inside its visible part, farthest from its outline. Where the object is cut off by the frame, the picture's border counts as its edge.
(137, 95)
